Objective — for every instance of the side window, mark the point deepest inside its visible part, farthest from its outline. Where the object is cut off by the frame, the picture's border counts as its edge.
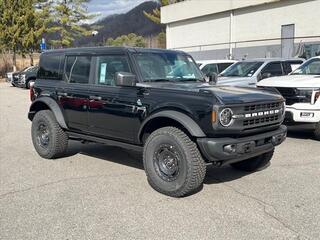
(274, 69)
(108, 66)
(50, 65)
(294, 64)
(223, 66)
(287, 67)
(77, 69)
(209, 69)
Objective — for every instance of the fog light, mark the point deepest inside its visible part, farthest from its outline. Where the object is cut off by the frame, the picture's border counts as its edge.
(231, 148)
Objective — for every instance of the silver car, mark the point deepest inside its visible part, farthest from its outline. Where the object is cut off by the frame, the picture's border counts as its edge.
(249, 72)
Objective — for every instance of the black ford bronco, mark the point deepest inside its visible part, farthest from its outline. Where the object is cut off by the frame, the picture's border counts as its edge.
(155, 101)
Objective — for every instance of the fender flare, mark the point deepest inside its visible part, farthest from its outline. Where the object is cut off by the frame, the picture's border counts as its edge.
(186, 121)
(52, 105)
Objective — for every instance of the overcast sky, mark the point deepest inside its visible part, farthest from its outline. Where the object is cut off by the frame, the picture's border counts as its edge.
(109, 7)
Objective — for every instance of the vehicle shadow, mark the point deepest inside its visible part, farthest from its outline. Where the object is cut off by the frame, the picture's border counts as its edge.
(107, 153)
(223, 174)
(300, 133)
(134, 159)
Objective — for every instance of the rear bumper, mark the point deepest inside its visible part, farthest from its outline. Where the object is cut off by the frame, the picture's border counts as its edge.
(229, 150)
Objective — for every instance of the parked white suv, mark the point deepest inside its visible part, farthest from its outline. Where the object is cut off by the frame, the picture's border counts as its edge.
(249, 72)
(301, 89)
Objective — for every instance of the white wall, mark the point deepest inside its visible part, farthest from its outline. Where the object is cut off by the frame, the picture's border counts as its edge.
(196, 8)
(249, 23)
(199, 31)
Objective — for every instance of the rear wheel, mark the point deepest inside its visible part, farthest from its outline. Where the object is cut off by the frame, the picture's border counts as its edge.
(254, 164)
(49, 139)
(173, 163)
(317, 131)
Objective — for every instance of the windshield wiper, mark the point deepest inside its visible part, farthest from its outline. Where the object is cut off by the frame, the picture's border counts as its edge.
(191, 80)
(161, 80)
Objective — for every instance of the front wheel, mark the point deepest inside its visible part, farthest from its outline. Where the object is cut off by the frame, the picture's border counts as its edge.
(173, 163)
(49, 139)
(255, 163)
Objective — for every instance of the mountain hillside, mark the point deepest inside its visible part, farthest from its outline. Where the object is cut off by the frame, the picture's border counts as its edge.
(113, 26)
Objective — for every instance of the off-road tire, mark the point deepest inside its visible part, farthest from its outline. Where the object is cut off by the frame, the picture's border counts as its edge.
(191, 166)
(255, 163)
(58, 139)
(317, 131)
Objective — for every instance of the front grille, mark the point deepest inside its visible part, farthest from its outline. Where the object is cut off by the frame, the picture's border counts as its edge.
(251, 122)
(265, 106)
(292, 96)
(261, 115)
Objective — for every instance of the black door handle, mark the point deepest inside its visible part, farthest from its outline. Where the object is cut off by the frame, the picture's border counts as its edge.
(95, 98)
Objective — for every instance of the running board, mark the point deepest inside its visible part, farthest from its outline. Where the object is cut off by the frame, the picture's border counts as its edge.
(80, 136)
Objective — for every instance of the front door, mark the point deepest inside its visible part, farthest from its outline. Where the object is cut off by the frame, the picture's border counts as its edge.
(113, 110)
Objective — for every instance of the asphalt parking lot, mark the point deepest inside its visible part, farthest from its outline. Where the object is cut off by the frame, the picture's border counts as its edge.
(101, 192)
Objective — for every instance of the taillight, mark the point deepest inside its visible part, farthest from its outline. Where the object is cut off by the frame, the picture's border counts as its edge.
(31, 93)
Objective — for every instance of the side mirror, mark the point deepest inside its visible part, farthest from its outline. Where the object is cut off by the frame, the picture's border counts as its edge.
(125, 79)
(213, 78)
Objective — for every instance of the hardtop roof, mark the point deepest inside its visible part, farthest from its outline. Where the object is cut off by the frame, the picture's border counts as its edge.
(99, 50)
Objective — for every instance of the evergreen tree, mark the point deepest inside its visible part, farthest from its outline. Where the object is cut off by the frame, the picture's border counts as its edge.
(11, 26)
(36, 20)
(130, 40)
(68, 17)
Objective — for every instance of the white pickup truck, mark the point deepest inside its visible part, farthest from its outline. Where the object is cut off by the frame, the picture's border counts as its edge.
(301, 89)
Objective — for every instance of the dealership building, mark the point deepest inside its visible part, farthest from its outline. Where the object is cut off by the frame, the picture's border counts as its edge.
(218, 29)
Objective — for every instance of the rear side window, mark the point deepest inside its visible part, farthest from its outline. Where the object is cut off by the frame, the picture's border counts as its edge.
(294, 64)
(223, 66)
(209, 69)
(108, 66)
(286, 67)
(77, 69)
(50, 66)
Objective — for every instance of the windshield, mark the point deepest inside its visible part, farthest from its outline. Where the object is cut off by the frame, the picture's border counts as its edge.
(241, 69)
(165, 66)
(311, 67)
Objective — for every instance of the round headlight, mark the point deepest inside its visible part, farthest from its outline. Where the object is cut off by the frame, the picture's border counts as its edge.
(226, 117)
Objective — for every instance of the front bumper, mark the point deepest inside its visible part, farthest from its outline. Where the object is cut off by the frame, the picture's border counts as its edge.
(307, 114)
(230, 150)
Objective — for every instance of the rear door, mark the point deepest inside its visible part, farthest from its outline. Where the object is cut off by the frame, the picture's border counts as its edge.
(74, 94)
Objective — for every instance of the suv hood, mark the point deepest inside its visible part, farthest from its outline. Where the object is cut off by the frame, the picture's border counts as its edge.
(226, 94)
(294, 81)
